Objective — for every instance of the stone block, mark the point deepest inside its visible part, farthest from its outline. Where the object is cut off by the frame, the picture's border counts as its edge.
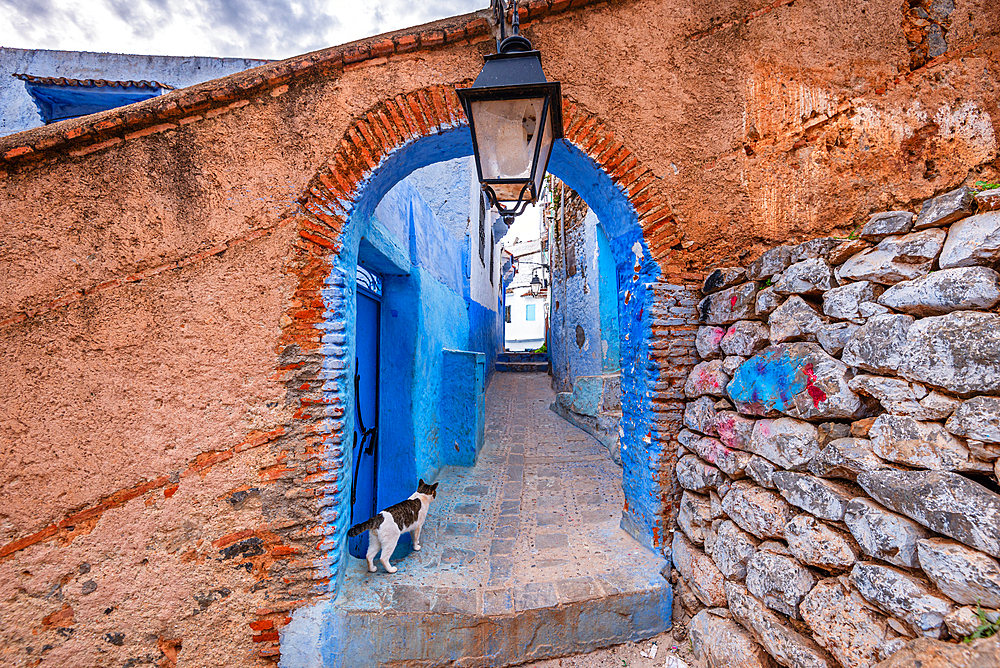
(698, 571)
(930, 653)
(822, 498)
(973, 241)
(794, 320)
(846, 458)
(761, 471)
(945, 209)
(844, 302)
(789, 443)
(731, 462)
(845, 250)
(815, 248)
(790, 648)
(883, 534)
(894, 259)
(766, 301)
(827, 432)
(878, 346)
(844, 624)
(707, 341)
(885, 224)
(700, 415)
(817, 544)
(695, 475)
(925, 445)
(966, 576)
(728, 306)
(722, 278)
(958, 352)
(906, 597)
(744, 338)
(834, 337)
(732, 549)
(694, 516)
(978, 418)
(731, 363)
(988, 200)
(940, 292)
(900, 397)
(757, 510)
(706, 378)
(722, 643)
(962, 622)
(734, 430)
(771, 262)
(809, 277)
(797, 379)
(779, 582)
(944, 502)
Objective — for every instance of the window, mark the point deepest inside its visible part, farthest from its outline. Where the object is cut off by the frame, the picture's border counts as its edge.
(506, 314)
(59, 98)
(529, 312)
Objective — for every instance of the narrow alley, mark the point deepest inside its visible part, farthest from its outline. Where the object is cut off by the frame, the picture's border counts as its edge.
(517, 542)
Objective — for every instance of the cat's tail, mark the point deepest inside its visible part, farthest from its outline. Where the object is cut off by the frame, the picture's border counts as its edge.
(358, 529)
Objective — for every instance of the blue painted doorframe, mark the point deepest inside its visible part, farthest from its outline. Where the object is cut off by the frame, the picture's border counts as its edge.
(364, 488)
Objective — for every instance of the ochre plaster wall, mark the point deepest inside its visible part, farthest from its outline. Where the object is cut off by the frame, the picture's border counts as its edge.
(148, 270)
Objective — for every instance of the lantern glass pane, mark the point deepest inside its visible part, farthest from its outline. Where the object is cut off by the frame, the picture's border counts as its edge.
(546, 149)
(507, 133)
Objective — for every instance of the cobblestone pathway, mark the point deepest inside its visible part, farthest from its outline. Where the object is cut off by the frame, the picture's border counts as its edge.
(533, 525)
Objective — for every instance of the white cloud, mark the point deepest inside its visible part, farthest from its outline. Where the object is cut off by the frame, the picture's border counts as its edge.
(272, 29)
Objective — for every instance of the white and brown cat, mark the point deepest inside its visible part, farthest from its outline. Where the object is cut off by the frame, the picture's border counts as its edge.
(386, 527)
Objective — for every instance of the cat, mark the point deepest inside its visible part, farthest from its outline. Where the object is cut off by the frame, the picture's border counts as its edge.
(386, 527)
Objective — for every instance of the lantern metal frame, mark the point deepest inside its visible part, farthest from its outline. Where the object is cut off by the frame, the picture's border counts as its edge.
(514, 73)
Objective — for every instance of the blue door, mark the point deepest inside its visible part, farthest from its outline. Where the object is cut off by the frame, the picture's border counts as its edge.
(364, 491)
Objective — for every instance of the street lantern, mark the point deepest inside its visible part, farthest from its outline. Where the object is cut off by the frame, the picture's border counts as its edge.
(535, 285)
(515, 116)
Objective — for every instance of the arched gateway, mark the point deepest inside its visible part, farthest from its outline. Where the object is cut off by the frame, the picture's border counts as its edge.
(382, 146)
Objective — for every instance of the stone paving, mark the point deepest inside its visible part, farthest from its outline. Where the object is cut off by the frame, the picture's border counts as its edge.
(532, 530)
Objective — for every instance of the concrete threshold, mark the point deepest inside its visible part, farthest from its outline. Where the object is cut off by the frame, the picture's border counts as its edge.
(523, 558)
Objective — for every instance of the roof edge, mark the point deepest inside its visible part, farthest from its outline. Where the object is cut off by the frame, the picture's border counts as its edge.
(150, 116)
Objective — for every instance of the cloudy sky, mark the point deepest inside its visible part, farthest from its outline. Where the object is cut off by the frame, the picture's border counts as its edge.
(271, 29)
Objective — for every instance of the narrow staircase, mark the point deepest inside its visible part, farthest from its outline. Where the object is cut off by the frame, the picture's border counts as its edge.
(523, 362)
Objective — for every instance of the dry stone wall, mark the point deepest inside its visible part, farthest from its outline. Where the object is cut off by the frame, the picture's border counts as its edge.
(841, 448)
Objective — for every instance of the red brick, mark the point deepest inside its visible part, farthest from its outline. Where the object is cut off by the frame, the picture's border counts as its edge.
(18, 152)
(429, 111)
(376, 127)
(406, 43)
(477, 27)
(560, 5)
(390, 129)
(409, 124)
(382, 48)
(440, 106)
(537, 8)
(355, 54)
(229, 539)
(262, 625)
(267, 636)
(398, 120)
(432, 38)
(455, 34)
(170, 491)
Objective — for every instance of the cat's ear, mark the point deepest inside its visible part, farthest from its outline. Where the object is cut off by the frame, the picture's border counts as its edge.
(434, 486)
(421, 484)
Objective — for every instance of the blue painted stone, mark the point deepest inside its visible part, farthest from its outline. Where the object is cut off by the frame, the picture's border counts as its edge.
(767, 382)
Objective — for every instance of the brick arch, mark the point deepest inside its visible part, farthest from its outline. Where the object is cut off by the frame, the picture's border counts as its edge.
(316, 346)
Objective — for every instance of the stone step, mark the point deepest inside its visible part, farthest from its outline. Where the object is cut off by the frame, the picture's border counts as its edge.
(524, 367)
(522, 357)
(387, 624)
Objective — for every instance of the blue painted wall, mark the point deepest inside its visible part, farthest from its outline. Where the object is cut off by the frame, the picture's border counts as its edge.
(385, 240)
(608, 295)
